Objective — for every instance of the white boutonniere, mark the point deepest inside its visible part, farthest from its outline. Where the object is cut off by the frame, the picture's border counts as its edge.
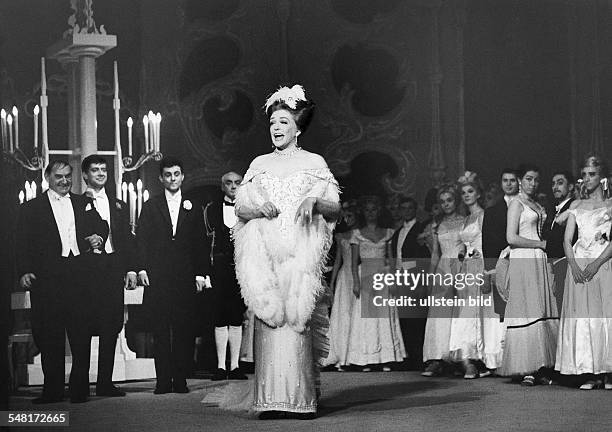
(118, 205)
(88, 207)
(187, 205)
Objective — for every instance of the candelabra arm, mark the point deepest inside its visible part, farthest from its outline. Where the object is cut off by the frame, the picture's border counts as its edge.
(152, 155)
(36, 163)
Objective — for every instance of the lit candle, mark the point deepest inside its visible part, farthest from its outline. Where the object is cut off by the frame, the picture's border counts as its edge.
(43, 119)
(36, 111)
(139, 195)
(116, 80)
(28, 193)
(145, 123)
(157, 125)
(151, 116)
(21, 197)
(43, 76)
(132, 196)
(124, 192)
(3, 117)
(33, 186)
(9, 121)
(16, 121)
(145, 195)
(130, 123)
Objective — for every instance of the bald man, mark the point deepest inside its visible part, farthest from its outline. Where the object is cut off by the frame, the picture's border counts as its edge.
(228, 306)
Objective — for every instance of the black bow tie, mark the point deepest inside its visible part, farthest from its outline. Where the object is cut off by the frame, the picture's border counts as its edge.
(229, 203)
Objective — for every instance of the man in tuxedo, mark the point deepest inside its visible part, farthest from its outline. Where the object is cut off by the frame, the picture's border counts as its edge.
(410, 255)
(554, 232)
(494, 232)
(171, 255)
(55, 233)
(110, 272)
(228, 307)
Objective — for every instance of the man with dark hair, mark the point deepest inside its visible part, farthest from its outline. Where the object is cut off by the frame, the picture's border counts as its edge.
(554, 231)
(110, 272)
(228, 307)
(55, 232)
(409, 255)
(494, 230)
(170, 241)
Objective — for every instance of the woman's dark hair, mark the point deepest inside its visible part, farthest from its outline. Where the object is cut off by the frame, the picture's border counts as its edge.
(525, 168)
(302, 114)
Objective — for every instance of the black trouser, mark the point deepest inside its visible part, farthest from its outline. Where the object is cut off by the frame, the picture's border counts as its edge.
(58, 306)
(228, 306)
(174, 345)
(106, 319)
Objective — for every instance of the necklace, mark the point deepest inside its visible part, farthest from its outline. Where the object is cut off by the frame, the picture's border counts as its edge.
(286, 153)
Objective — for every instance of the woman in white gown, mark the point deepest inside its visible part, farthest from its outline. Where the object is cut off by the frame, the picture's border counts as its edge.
(342, 287)
(584, 345)
(476, 332)
(447, 246)
(287, 204)
(375, 335)
(531, 317)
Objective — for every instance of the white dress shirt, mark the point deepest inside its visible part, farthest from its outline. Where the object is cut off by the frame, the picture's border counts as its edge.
(401, 238)
(64, 219)
(102, 205)
(559, 206)
(174, 206)
(229, 213)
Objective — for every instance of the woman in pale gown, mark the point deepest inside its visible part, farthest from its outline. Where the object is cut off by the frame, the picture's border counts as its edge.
(287, 204)
(444, 261)
(584, 346)
(342, 286)
(476, 332)
(375, 335)
(531, 317)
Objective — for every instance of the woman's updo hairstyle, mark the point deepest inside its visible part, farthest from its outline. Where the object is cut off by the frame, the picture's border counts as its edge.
(449, 188)
(470, 178)
(525, 168)
(596, 161)
(293, 100)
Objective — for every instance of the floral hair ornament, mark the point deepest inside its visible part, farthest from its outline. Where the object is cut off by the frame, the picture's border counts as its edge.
(467, 177)
(290, 96)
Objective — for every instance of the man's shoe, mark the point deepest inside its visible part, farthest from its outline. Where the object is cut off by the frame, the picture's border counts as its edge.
(163, 389)
(219, 375)
(237, 374)
(181, 389)
(109, 391)
(79, 399)
(46, 400)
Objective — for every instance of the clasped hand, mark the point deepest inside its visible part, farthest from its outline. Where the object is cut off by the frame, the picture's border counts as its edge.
(269, 210)
(586, 274)
(95, 241)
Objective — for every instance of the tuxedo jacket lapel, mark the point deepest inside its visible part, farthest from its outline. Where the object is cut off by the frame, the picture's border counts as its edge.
(162, 205)
(181, 216)
(47, 213)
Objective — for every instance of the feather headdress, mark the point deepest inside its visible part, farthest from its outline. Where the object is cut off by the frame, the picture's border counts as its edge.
(289, 96)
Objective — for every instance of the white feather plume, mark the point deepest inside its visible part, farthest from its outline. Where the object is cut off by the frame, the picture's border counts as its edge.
(289, 96)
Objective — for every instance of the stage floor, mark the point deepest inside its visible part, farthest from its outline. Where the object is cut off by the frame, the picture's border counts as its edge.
(354, 401)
